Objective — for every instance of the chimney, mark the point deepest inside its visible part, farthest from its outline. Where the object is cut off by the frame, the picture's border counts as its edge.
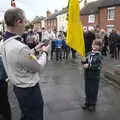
(48, 13)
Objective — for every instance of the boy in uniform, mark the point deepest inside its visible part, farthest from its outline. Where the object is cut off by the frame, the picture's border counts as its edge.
(92, 67)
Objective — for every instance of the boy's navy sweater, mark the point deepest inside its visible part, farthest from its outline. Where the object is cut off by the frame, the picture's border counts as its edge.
(58, 43)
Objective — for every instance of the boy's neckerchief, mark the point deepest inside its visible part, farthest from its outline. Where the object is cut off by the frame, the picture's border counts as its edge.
(92, 54)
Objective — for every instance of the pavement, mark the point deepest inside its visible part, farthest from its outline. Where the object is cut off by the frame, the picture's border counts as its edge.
(111, 70)
(62, 86)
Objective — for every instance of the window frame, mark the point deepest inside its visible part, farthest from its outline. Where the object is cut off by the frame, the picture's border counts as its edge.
(90, 18)
(108, 13)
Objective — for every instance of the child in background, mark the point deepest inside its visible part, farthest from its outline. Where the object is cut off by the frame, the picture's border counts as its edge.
(58, 48)
(66, 50)
(92, 67)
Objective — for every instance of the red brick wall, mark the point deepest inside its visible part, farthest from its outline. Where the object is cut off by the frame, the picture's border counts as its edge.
(84, 19)
(101, 19)
(51, 24)
(104, 21)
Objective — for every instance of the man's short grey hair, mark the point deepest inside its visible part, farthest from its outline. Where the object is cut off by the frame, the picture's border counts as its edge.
(12, 15)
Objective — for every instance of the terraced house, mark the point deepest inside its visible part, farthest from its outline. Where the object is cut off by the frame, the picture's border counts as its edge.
(51, 20)
(105, 13)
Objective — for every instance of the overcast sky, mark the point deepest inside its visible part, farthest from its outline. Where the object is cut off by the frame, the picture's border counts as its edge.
(34, 7)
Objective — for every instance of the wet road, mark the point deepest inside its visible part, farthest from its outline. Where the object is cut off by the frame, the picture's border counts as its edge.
(63, 91)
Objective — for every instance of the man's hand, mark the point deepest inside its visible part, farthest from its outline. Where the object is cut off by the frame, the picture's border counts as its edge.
(38, 48)
(45, 48)
(41, 47)
(85, 66)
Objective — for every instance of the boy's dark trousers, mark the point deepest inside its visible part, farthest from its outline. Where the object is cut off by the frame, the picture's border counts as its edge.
(5, 111)
(52, 49)
(104, 51)
(66, 52)
(91, 89)
(113, 51)
(30, 102)
(118, 51)
(58, 53)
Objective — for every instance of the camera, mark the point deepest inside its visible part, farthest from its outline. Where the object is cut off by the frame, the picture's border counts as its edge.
(44, 43)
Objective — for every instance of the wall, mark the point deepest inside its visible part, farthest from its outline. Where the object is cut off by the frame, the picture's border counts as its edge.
(62, 22)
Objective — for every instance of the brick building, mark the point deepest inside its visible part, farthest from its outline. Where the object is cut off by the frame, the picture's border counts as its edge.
(105, 13)
(89, 14)
(38, 22)
(51, 20)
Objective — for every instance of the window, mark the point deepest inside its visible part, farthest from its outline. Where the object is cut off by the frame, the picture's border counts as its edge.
(91, 19)
(111, 13)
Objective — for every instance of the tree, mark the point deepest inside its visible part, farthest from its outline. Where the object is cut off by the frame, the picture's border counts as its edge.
(29, 26)
(36, 18)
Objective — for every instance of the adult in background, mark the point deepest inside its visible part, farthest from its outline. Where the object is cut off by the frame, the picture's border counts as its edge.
(44, 34)
(118, 46)
(40, 34)
(22, 66)
(51, 38)
(32, 39)
(89, 36)
(5, 111)
(66, 49)
(97, 32)
(113, 38)
(104, 38)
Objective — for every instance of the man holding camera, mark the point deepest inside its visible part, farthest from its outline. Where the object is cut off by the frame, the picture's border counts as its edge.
(22, 66)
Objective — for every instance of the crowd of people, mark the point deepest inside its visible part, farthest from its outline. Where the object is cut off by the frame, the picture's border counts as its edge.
(110, 42)
(60, 51)
(57, 40)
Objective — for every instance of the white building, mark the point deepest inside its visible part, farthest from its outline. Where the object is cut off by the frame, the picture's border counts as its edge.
(43, 23)
(62, 20)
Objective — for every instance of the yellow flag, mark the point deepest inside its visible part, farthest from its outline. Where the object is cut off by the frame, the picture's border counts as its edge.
(75, 37)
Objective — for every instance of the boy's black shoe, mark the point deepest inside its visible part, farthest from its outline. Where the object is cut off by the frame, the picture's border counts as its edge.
(91, 108)
(85, 107)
